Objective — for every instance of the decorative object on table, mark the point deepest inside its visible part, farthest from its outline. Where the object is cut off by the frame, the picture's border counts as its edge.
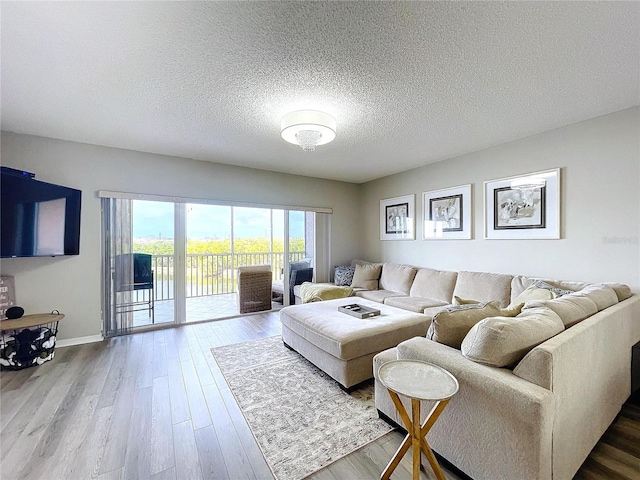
(14, 312)
(301, 418)
(447, 213)
(397, 218)
(28, 341)
(418, 381)
(359, 311)
(7, 294)
(523, 207)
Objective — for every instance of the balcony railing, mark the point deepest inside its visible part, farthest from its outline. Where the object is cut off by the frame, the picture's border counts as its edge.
(212, 273)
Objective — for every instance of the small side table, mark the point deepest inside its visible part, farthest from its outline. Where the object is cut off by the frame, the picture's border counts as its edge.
(419, 381)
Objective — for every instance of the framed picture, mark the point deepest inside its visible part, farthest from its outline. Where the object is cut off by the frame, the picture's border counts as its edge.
(523, 207)
(397, 218)
(447, 213)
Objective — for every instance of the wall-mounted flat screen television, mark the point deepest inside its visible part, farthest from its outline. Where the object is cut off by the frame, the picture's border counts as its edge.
(37, 219)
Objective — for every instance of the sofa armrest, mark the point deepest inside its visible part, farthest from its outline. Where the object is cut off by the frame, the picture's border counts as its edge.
(500, 384)
(587, 367)
(497, 426)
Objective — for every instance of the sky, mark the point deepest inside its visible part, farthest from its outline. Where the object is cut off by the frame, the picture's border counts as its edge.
(155, 219)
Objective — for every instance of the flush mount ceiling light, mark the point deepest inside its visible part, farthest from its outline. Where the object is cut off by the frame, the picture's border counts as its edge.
(308, 128)
(527, 183)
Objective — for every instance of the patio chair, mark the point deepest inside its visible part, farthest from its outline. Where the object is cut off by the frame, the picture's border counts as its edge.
(254, 288)
(299, 272)
(133, 272)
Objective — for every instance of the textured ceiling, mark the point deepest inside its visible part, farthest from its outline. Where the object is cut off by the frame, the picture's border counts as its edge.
(409, 83)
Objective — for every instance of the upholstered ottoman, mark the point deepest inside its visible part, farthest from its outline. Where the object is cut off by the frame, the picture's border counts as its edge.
(344, 346)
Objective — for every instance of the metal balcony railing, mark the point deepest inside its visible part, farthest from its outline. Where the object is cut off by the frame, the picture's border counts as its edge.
(212, 273)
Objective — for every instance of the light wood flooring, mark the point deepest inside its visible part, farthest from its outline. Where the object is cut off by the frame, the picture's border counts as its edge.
(155, 405)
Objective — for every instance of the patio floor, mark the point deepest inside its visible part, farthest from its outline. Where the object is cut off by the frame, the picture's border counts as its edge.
(211, 307)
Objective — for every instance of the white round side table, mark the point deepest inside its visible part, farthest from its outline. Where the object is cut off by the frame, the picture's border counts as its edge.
(417, 380)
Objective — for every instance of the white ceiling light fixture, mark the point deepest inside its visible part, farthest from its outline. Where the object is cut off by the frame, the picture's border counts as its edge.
(527, 183)
(308, 128)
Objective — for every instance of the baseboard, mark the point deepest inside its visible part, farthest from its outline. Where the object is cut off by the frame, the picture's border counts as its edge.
(79, 341)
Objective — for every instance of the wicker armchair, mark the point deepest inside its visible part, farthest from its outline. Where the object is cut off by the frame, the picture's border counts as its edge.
(254, 288)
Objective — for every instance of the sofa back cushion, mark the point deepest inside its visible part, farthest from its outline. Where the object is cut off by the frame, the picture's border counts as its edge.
(602, 295)
(484, 287)
(504, 341)
(397, 278)
(622, 291)
(571, 309)
(451, 324)
(366, 276)
(435, 284)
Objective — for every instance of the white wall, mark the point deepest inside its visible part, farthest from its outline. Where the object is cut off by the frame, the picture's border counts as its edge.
(73, 284)
(600, 205)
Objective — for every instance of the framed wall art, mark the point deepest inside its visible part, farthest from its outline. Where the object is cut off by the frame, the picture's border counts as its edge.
(397, 218)
(447, 213)
(523, 207)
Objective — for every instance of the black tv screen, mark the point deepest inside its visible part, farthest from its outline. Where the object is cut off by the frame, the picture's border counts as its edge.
(37, 219)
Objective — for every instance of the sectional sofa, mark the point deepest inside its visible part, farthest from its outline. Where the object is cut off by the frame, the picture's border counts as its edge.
(538, 388)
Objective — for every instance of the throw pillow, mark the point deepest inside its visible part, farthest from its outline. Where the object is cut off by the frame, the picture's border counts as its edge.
(366, 276)
(397, 278)
(451, 324)
(558, 291)
(463, 301)
(533, 293)
(343, 275)
(503, 342)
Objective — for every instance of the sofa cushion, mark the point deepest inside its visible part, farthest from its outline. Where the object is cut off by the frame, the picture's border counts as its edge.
(378, 295)
(397, 278)
(435, 284)
(622, 291)
(366, 276)
(414, 304)
(450, 325)
(484, 287)
(570, 308)
(343, 275)
(504, 341)
(602, 295)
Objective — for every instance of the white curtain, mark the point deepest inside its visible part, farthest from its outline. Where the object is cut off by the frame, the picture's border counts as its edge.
(117, 257)
(322, 267)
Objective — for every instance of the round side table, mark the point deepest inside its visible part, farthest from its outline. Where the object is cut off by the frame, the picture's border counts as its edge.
(417, 380)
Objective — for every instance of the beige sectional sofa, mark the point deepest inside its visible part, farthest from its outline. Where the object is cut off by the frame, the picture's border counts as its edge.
(539, 416)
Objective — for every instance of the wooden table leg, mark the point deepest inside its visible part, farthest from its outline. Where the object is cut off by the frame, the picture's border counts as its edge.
(415, 438)
(424, 446)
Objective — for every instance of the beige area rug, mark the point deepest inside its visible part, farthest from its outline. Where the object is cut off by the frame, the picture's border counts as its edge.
(300, 417)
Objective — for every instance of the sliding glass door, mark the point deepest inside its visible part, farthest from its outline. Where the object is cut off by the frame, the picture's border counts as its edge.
(139, 264)
(210, 277)
(168, 261)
